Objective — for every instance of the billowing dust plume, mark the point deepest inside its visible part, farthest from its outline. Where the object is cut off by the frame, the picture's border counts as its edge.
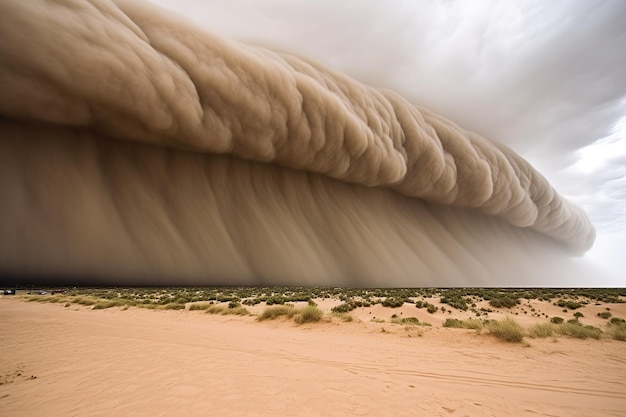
(138, 149)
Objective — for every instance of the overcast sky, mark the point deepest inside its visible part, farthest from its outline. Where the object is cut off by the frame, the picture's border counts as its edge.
(547, 78)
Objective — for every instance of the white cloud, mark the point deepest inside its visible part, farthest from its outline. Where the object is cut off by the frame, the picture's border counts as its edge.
(608, 255)
(597, 181)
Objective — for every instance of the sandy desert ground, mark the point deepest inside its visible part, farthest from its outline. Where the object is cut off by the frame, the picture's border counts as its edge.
(75, 361)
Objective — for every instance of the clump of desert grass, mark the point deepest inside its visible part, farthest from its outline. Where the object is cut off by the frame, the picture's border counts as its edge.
(506, 329)
(541, 330)
(617, 321)
(167, 306)
(572, 328)
(172, 306)
(272, 313)
(307, 314)
(617, 329)
(408, 321)
(511, 331)
(85, 301)
(200, 306)
(95, 303)
(345, 317)
(234, 310)
(575, 329)
(412, 330)
(109, 304)
(463, 324)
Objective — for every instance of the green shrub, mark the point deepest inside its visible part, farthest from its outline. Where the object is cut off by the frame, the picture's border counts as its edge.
(343, 308)
(504, 302)
(578, 314)
(456, 301)
(556, 320)
(572, 305)
(431, 308)
(507, 329)
(392, 302)
(605, 315)
(617, 320)
(275, 299)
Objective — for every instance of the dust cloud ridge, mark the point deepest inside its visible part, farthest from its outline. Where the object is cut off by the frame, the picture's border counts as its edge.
(137, 148)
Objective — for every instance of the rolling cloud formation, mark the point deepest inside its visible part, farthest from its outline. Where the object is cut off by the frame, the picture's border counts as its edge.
(136, 148)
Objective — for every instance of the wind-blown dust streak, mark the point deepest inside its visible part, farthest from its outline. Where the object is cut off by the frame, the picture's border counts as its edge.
(137, 147)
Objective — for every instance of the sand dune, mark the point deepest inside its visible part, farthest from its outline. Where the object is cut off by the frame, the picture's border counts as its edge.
(168, 363)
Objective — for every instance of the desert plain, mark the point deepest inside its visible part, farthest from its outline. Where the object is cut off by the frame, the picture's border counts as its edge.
(71, 358)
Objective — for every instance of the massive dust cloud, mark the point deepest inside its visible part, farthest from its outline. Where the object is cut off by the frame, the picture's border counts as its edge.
(138, 149)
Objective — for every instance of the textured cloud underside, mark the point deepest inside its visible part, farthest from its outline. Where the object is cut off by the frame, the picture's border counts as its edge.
(137, 148)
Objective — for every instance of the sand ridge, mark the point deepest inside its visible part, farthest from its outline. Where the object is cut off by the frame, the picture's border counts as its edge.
(168, 363)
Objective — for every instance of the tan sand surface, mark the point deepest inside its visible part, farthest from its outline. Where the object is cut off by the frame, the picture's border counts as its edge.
(74, 361)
